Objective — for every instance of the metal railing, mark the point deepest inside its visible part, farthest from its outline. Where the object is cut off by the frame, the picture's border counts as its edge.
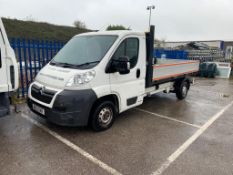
(32, 55)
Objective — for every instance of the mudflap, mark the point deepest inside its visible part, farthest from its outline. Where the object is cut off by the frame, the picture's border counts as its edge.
(4, 104)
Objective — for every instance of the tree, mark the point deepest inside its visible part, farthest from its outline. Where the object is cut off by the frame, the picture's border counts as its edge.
(30, 18)
(117, 27)
(79, 24)
(159, 43)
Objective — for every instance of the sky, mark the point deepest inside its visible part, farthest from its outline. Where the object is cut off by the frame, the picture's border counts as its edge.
(175, 20)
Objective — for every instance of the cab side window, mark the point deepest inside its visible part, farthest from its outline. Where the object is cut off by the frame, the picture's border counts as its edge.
(129, 47)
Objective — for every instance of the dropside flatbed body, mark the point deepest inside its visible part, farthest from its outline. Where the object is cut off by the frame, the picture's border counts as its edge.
(171, 68)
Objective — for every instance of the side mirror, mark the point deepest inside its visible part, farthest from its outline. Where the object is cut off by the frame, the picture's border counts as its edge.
(121, 65)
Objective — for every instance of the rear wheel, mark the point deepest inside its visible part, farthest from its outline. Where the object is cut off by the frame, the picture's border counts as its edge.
(182, 89)
(103, 116)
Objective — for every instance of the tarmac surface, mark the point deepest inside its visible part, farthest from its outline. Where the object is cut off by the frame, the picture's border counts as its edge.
(162, 136)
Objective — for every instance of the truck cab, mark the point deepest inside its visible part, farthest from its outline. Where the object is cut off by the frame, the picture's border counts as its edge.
(8, 71)
(94, 77)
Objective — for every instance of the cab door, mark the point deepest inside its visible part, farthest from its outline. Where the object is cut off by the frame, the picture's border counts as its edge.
(3, 76)
(129, 87)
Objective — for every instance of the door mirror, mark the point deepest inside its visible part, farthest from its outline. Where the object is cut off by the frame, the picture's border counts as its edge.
(121, 65)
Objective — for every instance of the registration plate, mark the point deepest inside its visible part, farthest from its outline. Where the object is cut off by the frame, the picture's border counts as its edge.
(38, 109)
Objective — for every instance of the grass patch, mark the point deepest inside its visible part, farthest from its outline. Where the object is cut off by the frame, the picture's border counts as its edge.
(39, 30)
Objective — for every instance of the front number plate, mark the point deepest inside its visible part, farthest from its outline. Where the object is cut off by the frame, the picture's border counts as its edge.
(38, 109)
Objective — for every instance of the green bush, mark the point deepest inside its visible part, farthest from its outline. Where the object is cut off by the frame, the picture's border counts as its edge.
(117, 27)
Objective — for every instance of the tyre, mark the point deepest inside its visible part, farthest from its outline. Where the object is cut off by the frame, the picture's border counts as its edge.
(182, 89)
(103, 116)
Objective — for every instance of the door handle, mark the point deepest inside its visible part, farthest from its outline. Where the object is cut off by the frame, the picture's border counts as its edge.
(138, 73)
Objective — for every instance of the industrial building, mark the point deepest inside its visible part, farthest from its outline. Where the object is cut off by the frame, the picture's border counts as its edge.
(213, 44)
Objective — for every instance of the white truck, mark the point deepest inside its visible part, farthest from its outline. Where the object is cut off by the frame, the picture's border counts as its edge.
(8, 71)
(98, 75)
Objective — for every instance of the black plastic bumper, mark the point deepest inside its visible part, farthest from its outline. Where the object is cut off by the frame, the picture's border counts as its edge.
(71, 108)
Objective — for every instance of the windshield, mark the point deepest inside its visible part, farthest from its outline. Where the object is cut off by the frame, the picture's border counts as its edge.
(84, 51)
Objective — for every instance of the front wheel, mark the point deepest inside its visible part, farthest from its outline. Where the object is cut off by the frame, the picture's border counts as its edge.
(103, 116)
(182, 90)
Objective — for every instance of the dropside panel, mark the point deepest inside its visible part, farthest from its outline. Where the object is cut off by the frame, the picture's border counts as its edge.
(169, 68)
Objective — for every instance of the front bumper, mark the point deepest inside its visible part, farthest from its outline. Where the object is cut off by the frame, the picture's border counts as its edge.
(70, 108)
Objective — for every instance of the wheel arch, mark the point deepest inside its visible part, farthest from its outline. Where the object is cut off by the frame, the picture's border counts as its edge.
(111, 97)
(181, 80)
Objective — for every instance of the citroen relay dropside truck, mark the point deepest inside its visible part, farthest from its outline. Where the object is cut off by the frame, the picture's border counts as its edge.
(98, 75)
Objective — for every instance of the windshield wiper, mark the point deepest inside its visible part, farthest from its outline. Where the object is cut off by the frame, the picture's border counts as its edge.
(66, 65)
(87, 63)
(53, 63)
(62, 64)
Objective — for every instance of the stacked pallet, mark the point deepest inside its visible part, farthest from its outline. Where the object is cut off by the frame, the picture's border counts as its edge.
(207, 55)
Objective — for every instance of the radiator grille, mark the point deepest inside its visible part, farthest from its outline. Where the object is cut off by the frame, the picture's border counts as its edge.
(42, 94)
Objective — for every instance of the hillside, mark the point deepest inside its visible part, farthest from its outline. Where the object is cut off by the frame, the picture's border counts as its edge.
(39, 30)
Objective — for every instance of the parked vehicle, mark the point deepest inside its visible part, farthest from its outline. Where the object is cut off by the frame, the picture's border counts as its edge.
(8, 71)
(98, 75)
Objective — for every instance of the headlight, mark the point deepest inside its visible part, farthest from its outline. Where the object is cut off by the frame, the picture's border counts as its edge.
(81, 78)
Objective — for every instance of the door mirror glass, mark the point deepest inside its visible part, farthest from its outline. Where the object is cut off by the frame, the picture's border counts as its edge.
(121, 65)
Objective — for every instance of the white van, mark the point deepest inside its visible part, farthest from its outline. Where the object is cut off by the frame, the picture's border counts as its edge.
(98, 75)
(8, 71)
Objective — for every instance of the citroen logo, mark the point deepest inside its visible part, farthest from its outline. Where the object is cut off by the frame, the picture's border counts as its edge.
(42, 90)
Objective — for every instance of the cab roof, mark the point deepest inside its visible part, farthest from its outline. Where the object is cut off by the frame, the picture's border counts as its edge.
(115, 32)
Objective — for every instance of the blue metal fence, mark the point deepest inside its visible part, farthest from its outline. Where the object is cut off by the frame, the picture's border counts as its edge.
(172, 54)
(32, 55)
